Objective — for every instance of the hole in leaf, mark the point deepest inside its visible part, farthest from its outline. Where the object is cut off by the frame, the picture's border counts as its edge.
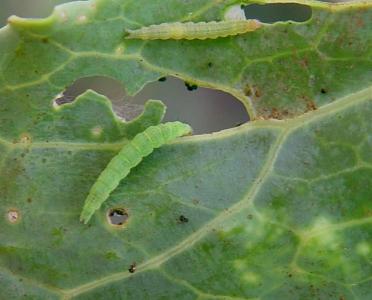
(26, 9)
(109, 87)
(117, 216)
(275, 12)
(103, 85)
(206, 110)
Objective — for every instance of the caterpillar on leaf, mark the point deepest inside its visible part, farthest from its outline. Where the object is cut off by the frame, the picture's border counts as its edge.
(129, 156)
(191, 30)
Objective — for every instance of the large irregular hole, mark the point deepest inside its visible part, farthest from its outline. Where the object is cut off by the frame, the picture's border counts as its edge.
(107, 86)
(275, 12)
(27, 9)
(206, 110)
(117, 216)
(103, 85)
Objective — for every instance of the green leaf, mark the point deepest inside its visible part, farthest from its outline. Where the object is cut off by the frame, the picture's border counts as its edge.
(275, 209)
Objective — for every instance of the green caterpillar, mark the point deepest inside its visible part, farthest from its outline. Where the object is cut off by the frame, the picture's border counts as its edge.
(191, 31)
(129, 156)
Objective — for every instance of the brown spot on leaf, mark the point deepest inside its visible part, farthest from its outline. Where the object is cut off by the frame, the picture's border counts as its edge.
(247, 90)
(310, 106)
(274, 114)
(25, 138)
(13, 216)
(257, 92)
(132, 268)
(304, 63)
(360, 22)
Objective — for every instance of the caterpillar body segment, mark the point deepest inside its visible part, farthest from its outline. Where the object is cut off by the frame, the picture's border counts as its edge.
(129, 156)
(191, 31)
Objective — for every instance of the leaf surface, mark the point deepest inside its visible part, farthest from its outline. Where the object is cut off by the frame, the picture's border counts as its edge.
(275, 209)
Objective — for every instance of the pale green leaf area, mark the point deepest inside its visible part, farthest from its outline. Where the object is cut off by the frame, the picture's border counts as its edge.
(276, 209)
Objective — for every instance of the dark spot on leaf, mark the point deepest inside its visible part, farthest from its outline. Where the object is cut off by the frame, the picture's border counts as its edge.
(132, 268)
(274, 114)
(162, 79)
(310, 105)
(323, 91)
(250, 216)
(257, 92)
(247, 90)
(183, 219)
(117, 216)
(43, 160)
(29, 199)
(285, 113)
(45, 40)
(210, 64)
(191, 86)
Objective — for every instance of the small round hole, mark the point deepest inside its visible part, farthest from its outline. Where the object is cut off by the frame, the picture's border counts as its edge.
(117, 216)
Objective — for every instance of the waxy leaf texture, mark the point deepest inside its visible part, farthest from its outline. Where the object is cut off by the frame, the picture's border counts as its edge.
(278, 208)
